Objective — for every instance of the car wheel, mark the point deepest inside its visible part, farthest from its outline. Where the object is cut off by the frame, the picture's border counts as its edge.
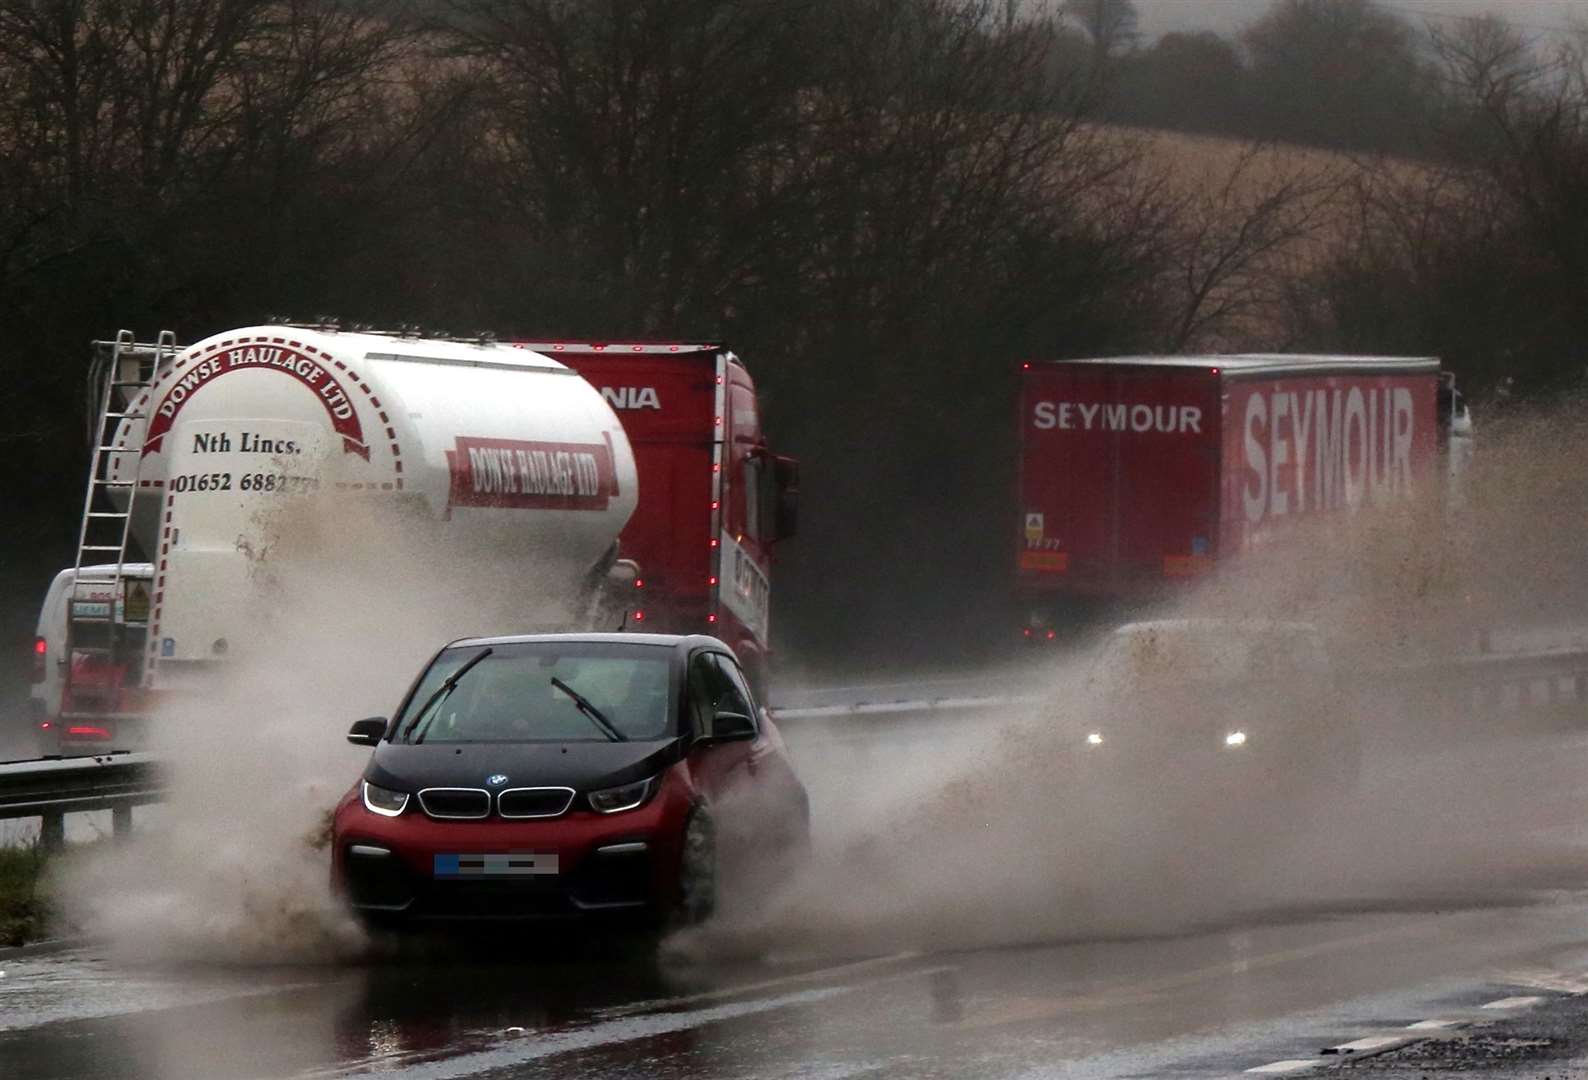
(697, 870)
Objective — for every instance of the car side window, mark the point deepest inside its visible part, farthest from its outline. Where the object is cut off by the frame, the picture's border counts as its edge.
(702, 699)
(737, 697)
(716, 685)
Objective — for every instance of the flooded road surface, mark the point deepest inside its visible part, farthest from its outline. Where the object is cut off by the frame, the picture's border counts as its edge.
(1482, 919)
(1209, 1003)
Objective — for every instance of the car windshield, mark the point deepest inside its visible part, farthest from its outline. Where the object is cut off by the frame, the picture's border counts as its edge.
(512, 694)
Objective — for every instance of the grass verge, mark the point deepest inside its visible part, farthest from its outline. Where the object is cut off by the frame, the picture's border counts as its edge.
(22, 906)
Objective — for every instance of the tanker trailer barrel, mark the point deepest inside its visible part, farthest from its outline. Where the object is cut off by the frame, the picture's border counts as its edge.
(504, 452)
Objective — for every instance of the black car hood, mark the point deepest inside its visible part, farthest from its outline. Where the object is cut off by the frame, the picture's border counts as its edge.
(583, 766)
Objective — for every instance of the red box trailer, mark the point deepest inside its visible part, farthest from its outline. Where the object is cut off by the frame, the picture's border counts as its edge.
(1138, 474)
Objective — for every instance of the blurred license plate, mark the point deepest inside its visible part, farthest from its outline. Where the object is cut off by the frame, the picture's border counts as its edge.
(511, 864)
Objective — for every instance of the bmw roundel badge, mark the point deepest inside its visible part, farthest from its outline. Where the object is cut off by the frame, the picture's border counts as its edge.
(496, 779)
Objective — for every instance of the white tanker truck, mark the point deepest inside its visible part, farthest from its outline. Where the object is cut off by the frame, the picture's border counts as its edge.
(497, 448)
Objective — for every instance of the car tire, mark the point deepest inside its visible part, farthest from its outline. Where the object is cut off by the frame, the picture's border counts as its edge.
(697, 870)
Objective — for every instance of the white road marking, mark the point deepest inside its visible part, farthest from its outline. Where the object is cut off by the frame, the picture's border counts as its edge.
(518, 1050)
(1434, 1025)
(1513, 1003)
(1296, 1065)
(1374, 1042)
(755, 987)
(1548, 980)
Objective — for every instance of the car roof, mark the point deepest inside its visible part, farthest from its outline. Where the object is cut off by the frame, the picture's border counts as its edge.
(671, 641)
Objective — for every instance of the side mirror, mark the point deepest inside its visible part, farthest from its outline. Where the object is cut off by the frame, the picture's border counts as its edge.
(786, 470)
(732, 727)
(623, 573)
(367, 732)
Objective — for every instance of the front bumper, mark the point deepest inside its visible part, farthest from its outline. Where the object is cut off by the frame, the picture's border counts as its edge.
(407, 868)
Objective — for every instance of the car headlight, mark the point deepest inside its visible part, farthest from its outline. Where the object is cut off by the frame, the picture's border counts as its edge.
(1235, 738)
(615, 800)
(384, 801)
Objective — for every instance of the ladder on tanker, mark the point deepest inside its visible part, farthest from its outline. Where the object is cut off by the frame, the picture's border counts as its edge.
(121, 370)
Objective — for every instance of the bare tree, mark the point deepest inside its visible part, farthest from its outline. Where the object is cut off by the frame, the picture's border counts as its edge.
(1239, 237)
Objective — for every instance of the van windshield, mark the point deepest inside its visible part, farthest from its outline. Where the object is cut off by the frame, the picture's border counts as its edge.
(512, 694)
(1210, 652)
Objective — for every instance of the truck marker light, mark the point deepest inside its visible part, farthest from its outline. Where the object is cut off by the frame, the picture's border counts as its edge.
(716, 468)
(41, 650)
(711, 580)
(715, 504)
(711, 618)
(45, 725)
(1026, 366)
(1026, 631)
(639, 583)
(1052, 634)
(639, 348)
(719, 380)
(713, 541)
(639, 616)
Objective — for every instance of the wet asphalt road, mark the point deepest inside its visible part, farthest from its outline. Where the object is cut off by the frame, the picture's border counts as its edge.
(1204, 1004)
(1242, 991)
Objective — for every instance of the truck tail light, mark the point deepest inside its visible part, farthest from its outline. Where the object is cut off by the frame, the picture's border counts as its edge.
(41, 653)
(712, 617)
(1026, 631)
(1052, 634)
(639, 616)
(88, 731)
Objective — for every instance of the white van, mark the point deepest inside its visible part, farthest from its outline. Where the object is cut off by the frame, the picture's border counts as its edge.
(86, 699)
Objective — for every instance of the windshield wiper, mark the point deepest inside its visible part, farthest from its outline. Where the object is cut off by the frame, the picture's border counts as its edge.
(441, 692)
(590, 710)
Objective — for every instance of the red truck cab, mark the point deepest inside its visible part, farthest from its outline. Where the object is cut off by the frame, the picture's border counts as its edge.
(713, 500)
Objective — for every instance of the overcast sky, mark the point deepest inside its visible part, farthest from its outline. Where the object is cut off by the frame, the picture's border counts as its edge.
(1226, 16)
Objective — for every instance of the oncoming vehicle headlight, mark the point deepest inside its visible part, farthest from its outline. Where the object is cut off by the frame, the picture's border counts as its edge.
(617, 799)
(1235, 738)
(384, 801)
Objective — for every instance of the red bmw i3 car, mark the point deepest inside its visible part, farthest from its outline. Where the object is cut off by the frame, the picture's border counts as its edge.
(564, 775)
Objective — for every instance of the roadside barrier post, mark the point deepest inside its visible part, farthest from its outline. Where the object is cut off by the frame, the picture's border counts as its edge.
(52, 831)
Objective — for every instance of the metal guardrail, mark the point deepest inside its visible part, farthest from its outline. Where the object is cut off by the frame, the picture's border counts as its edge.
(1483, 682)
(51, 788)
